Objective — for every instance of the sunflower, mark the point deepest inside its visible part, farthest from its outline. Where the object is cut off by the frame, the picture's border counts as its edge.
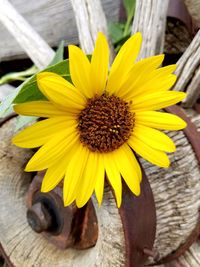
(94, 125)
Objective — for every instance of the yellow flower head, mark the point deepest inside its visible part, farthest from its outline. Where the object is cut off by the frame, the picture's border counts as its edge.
(94, 124)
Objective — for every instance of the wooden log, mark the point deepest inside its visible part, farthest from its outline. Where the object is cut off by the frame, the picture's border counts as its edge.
(150, 20)
(52, 19)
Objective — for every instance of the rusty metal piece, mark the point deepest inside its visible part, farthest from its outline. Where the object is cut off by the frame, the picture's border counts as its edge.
(39, 217)
(190, 131)
(138, 215)
(63, 226)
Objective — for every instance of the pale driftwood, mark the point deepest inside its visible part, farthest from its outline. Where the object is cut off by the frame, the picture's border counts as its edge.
(188, 71)
(52, 19)
(90, 20)
(37, 49)
(150, 20)
(26, 248)
(5, 90)
(194, 7)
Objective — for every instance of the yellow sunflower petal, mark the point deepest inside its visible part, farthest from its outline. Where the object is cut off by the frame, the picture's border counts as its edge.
(80, 70)
(160, 120)
(138, 75)
(88, 181)
(43, 109)
(124, 62)
(99, 64)
(160, 79)
(129, 168)
(41, 132)
(56, 172)
(100, 174)
(156, 101)
(157, 84)
(113, 177)
(53, 176)
(152, 155)
(54, 149)
(60, 92)
(74, 175)
(153, 138)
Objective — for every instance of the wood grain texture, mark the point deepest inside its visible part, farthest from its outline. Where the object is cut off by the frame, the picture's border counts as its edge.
(150, 20)
(90, 20)
(52, 19)
(188, 72)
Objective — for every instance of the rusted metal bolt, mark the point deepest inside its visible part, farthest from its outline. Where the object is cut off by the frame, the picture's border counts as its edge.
(65, 227)
(39, 218)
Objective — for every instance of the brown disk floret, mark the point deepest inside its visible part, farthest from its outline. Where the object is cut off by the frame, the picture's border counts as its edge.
(105, 124)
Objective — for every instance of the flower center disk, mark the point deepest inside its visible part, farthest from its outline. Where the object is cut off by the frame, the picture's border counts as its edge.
(105, 124)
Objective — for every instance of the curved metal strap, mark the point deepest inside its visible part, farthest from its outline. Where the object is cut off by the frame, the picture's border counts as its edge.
(138, 215)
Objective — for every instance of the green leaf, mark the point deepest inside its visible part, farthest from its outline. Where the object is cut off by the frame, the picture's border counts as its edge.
(29, 90)
(59, 56)
(130, 8)
(24, 120)
(116, 31)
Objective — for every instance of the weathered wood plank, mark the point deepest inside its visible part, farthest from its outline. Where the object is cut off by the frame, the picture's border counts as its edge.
(52, 19)
(90, 19)
(188, 72)
(150, 20)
